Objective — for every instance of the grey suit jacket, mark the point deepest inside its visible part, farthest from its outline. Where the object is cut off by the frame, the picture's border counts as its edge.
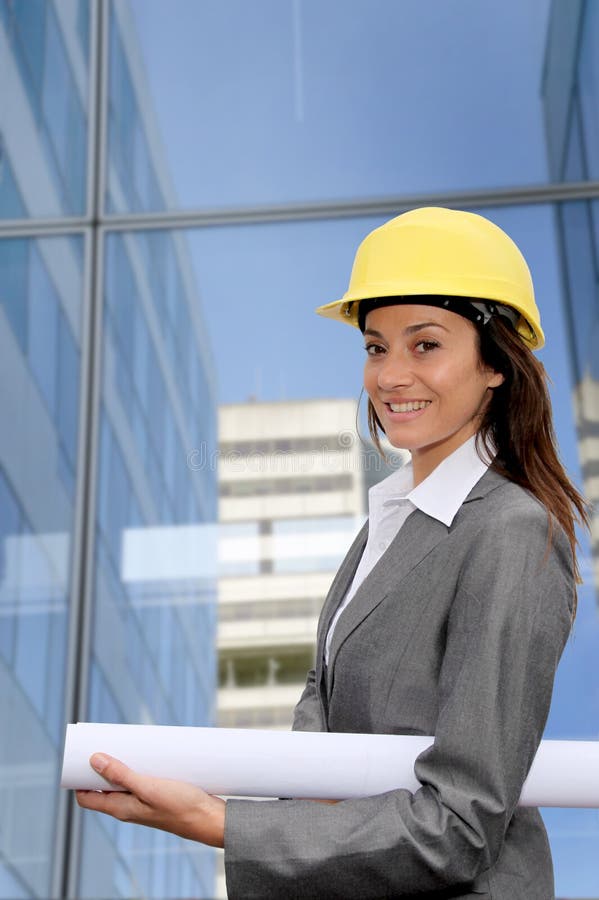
(456, 632)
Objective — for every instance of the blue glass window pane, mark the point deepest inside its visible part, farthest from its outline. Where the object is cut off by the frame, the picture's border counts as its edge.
(75, 156)
(37, 597)
(56, 88)
(123, 299)
(123, 882)
(83, 24)
(10, 519)
(57, 653)
(588, 87)
(140, 428)
(129, 154)
(575, 166)
(66, 473)
(43, 330)
(29, 20)
(109, 708)
(582, 279)
(174, 878)
(160, 866)
(68, 389)
(10, 885)
(141, 357)
(51, 121)
(307, 123)
(103, 502)
(14, 258)
(11, 203)
(64, 117)
(37, 278)
(171, 447)
(123, 380)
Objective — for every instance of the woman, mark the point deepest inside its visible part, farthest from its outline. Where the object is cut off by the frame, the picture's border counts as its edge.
(451, 609)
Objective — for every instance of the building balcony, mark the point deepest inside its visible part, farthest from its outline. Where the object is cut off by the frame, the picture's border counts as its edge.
(254, 633)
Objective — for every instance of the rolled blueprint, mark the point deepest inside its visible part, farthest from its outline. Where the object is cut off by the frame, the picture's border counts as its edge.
(247, 763)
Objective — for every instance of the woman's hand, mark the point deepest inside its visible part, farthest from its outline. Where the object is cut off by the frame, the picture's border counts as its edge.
(173, 806)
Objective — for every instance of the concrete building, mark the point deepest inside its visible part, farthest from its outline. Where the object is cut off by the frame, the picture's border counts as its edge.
(292, 486)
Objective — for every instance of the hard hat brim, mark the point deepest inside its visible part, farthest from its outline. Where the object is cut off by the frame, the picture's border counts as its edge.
(346, 310)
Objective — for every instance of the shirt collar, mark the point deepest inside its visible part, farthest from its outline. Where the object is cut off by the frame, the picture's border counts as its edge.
(441, 494)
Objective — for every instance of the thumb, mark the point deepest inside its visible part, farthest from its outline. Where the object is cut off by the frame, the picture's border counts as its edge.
(113, 770)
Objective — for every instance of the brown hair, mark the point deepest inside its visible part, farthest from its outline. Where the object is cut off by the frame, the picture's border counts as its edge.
(518, 422)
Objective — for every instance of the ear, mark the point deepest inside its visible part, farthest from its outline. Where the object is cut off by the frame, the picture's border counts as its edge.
(495, 379)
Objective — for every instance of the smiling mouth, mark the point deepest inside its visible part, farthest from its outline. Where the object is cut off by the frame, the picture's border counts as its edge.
(411, 406)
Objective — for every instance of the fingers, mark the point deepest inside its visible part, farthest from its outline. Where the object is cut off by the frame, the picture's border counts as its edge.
(173, 806)
(114, 803)
(116, 772)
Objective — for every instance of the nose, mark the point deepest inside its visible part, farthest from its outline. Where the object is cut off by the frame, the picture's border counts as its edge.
(394, 371)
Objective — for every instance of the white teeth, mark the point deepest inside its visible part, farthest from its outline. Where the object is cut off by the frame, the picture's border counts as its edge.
(409, 407)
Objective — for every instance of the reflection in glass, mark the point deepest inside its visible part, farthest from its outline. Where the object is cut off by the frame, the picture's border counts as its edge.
(132, 177)
(39, 319)
(588, 88)
(270, 109)
(43, 116)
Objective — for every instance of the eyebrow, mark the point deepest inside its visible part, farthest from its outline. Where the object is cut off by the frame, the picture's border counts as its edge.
(411, 329)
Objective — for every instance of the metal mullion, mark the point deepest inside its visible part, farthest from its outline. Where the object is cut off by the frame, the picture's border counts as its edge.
(375, 206)
(82, 584)
(92, 101)
(101, 113)
(43, 227)
(84, 588)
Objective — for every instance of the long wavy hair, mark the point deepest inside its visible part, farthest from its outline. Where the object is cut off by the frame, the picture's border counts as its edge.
(517, 424)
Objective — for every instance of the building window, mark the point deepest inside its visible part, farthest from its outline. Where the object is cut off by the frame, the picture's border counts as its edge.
(270, 486)
(324, 443)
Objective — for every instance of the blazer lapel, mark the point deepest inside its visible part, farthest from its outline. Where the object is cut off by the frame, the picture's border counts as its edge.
(337, 592)
(415, 540)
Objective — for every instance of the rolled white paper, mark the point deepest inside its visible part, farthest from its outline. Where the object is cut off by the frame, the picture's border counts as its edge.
(247, 763)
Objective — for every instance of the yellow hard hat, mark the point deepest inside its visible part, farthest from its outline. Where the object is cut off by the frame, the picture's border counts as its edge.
(442, 252)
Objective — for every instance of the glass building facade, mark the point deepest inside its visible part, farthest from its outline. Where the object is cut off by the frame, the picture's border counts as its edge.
(145, 158)
(107, 606)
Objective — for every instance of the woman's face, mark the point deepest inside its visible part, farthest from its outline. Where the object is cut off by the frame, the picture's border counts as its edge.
(425, 379)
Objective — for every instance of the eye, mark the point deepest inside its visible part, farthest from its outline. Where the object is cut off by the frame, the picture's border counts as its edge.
(373, 349)
(425, 346)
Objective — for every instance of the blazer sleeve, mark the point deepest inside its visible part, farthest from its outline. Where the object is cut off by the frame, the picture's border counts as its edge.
(507, 627)
(307, 715)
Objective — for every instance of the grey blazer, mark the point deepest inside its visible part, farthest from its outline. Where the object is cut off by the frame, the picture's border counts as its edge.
(456, 632)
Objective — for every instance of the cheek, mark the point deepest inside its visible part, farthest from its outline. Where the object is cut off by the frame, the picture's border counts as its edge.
(460, 390)
(369, 380)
